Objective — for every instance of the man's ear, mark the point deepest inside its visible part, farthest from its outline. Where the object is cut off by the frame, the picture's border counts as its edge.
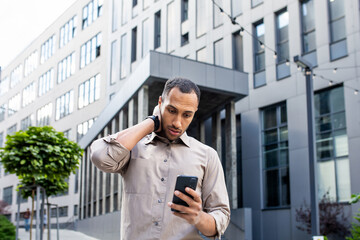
(159, 101)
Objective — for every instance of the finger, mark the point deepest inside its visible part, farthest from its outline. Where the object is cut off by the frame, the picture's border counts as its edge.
(194, 194)
(184, 197)
(182, 209)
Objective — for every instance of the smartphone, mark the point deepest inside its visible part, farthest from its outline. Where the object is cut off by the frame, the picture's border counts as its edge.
(182, 182)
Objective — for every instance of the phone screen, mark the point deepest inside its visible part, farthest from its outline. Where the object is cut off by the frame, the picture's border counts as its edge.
(182, 182)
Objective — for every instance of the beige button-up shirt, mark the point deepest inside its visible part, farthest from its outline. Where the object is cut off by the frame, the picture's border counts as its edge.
(149, 174)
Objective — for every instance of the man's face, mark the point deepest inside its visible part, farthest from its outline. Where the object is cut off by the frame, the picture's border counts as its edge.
(177, 112)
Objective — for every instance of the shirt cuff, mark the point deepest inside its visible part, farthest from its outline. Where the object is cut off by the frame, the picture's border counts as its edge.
(221, 222)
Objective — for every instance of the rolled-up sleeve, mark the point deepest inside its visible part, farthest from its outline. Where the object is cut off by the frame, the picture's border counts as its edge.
(109, 155)
(215, 195)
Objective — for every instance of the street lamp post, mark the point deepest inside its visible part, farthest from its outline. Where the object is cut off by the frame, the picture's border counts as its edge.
(315, 228)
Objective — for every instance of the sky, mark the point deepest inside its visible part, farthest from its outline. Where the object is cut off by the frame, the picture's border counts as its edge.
(21, 21)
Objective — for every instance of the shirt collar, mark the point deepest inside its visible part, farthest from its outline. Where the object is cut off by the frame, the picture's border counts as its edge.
(184, 138)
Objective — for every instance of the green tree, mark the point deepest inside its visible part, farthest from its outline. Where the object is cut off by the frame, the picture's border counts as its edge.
(355, 229)
(7, 229)
(40, 156)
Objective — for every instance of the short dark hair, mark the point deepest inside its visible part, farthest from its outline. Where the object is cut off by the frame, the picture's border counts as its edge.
(184, 85)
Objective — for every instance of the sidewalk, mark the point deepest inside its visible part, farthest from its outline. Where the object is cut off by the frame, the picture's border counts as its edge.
(64, 234)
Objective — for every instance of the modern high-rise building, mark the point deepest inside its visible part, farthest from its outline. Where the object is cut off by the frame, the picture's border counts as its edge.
(109, 69)
(58, 80)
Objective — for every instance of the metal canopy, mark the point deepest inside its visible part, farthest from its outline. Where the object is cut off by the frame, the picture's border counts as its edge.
(218, 86)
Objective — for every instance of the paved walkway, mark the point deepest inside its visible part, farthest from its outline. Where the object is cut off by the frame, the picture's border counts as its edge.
(64, 234)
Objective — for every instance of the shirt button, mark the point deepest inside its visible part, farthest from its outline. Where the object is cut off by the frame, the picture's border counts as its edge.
(156, 223)
(165, 160)
(162, 179)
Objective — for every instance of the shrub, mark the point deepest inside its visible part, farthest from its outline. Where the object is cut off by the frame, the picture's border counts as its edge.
(331, 217)
(7, 229)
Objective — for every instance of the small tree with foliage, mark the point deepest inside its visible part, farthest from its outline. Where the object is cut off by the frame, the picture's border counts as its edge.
(40, 156)
(355, 230)
(331, 217)
(7, 229)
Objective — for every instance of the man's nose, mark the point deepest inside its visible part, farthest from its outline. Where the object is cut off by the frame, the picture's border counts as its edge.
(177, 122)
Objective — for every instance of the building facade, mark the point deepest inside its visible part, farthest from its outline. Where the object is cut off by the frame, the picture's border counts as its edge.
(254, 114)
(58, 80)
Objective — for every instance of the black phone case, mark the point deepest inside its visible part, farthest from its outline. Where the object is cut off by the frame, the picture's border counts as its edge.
(182, 182)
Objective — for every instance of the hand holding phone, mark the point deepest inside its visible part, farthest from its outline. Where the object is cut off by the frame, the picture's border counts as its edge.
(182, 182)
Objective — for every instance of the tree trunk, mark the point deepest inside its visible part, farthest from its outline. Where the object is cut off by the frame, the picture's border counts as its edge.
(32, 211)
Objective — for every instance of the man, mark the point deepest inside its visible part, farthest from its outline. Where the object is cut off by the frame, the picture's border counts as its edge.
(26, 219)
(150, 156)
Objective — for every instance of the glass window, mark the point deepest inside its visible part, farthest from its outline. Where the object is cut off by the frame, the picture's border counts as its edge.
(275, 154)
(114, 71)
(44, 115)
(145, 37)
(219, 53)
(184, 10)
(254, 3)
(218, 16)
(64, 105)
(68, 31)
(236, 7)
(115, 15)
(16, 76)
(201, 17)
(27, 122)
(259, 49)
(308, 26)
(91, 12)
(171, 27)
(46, 81)
(11, 129)
(7, 195)
(133, 44)
(282, 36)
(14, 104)
(126, 10)
(84, 127)
(146, 3)
(157, 30)
(31, 63)
(338, 46)
(90, 50)
(123, 57)
(201, 55)
(259, 55)
(4, 85)
(89, 91)
(2, 112)
(332, 144)
(238, 62)
(47, 49)
(28, 94)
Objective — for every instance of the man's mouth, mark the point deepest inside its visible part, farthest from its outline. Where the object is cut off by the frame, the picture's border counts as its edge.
(174, 132)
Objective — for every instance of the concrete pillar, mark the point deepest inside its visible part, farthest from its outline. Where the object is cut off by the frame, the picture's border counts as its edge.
(230, 143)
(82, 186)
(143, 103)
(92, 187)
(88, 186)
(106, 132)
(97, 188)
(119, 196)
(131, 113)
(216, 132)
(113, 123)
(202, 131)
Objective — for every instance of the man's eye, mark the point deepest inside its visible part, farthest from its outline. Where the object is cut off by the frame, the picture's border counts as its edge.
(187, 115)
(171, 110)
